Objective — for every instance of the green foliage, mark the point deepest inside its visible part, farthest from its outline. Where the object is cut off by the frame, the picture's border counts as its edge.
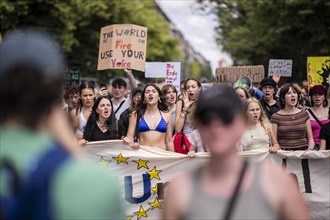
(77, 23)
(253, 32)
(195, 69)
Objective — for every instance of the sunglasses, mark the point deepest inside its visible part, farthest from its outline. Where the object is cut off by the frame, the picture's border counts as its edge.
(225, 116)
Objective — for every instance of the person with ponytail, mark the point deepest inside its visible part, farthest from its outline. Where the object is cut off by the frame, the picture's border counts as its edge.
(80, 115)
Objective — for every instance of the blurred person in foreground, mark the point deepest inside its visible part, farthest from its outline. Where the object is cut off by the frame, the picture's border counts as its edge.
(264, 191)
(48, 180)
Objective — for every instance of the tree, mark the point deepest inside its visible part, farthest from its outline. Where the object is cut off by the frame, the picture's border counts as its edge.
(253, 32)
(76, 24)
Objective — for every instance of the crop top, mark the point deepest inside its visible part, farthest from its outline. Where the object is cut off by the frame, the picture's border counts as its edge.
(161, 127)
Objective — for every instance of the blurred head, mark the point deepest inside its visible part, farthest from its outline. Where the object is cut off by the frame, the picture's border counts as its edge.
(242, 93)
(268, 88)
(87, 94)
(31, 77)
(137, 95)
(193, 87)
(170, 93)
(219, 119)
(289, 95)
(119, 87)
(318, 96)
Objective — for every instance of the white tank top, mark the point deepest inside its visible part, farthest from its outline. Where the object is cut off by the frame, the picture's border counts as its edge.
(82, 124)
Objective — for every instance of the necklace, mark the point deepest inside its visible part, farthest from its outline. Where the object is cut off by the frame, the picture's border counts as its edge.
(318, 113)
(152, 113)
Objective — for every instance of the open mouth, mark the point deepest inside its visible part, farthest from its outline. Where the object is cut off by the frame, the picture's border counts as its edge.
(150, 99)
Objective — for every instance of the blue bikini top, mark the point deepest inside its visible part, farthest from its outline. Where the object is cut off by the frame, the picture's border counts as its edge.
(161, 127)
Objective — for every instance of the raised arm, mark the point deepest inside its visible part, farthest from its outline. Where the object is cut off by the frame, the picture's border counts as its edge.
(131, 79)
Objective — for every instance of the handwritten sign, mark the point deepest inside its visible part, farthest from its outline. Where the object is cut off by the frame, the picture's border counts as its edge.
(72, 75)
(280, 68)
(122, 46)
(232, 74)
(318, 71)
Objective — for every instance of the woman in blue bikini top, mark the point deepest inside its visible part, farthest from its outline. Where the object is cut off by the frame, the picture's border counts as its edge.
(151, 121)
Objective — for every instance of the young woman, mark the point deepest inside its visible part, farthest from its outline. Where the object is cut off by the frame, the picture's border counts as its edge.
(151, 120)
(291, 125)
(242, 93)
(101, 124)
(325, 135)
(186, 106)
(170, 93)
(80, 115)
(318, 113)
(265, 192)
(258, 133)
(123, 121)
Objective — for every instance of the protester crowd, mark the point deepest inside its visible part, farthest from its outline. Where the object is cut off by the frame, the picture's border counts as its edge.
(49, 119)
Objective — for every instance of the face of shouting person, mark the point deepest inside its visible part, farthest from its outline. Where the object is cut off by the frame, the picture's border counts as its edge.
(151, 95)
(87, 97)
(104, 109)
(171, 96)
(193, 90)
(291, 97)
(253, 113)
(268, 92)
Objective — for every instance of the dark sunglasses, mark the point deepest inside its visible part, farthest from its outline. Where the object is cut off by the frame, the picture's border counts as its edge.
(225, 116)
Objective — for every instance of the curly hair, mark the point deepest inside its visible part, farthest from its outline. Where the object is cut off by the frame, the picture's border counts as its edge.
(111, 122)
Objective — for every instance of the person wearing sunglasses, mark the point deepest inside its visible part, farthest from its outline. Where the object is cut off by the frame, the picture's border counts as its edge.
(210, 192)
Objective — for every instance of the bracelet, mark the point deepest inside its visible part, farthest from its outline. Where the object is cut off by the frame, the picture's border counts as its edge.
(183, 116)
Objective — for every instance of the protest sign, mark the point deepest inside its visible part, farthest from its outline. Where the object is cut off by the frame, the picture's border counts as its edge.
(232, 74)
(144, 174)
(72, 76)
(122, 46)
(171, 71)
(206, 86)
(280, 68)
(318, 71)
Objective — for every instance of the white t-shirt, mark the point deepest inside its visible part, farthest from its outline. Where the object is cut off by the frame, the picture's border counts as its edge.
(123, 107)
(196, 140)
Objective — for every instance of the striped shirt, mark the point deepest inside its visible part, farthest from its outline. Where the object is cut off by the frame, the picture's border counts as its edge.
(291, 129)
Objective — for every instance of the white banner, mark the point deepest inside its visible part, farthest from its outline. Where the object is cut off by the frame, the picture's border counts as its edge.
(145, 173)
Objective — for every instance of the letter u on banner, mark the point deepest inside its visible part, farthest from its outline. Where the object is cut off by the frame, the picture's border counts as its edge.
(129, 189)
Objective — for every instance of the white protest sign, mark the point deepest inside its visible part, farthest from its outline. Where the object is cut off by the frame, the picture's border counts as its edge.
(155, 70)
(122, 46)
(144, 173)
(173, 74)
(280, 68)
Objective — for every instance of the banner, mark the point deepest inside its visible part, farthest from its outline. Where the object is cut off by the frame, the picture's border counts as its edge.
(280, 68)
(232, 74)
(145, 173)
(318, 71)
(122, 46)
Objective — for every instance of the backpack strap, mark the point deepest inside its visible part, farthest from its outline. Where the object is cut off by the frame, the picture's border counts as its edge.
(313, 115)
(121, 104)
(33, 201)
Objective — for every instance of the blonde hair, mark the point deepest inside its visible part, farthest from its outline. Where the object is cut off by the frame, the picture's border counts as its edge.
(264, 121)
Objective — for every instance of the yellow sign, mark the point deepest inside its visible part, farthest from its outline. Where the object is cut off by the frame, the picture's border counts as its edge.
(318, 71)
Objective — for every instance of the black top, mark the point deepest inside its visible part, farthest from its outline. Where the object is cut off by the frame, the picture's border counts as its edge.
(325, 135)
(270, 110)
(123, 123)
(98, 135)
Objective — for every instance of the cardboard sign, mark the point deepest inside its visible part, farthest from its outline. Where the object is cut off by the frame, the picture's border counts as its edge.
(122, 46)
(280, 68)
(72, 76)
(232, 74)
(318, 71)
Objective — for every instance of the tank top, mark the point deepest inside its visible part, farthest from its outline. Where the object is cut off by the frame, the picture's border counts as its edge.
(82, 124)
(316, 128)
(255, 138)
(250, 204)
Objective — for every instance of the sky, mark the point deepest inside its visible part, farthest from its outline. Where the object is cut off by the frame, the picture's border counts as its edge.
(196, 27)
